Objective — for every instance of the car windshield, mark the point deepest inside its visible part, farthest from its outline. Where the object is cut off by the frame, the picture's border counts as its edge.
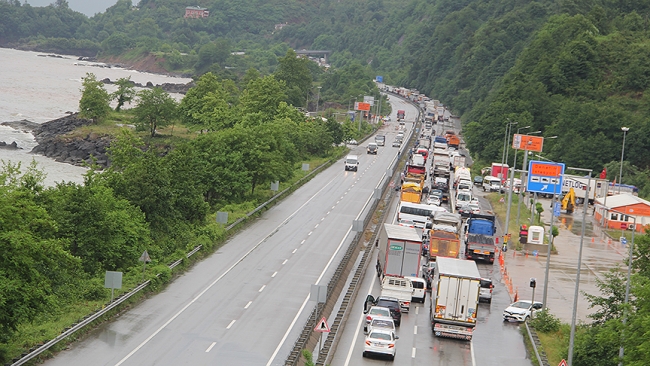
(521, 305)
(380, 335)
(376, 311)
(351, 161)
(381, 323)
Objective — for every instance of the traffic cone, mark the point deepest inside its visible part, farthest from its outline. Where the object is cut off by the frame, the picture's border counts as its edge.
(516, 296)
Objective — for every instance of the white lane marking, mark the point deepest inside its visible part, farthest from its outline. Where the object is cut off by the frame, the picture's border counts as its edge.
(247, 305)
(261, 288)
(333, 206)
(136, 349)
(310, 233)
(209, 348)
(231, 323)
(323, 219)
(274, 273)
(295, 319)
(417, 311)
(285, 262)
(316, 226)
(413, 353)
(328, 212)
(303, 241)
(415, 329)
(294, 251)
(354, 339)
(471, 351)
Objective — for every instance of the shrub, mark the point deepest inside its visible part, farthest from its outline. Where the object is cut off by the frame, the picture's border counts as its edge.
(545, 322)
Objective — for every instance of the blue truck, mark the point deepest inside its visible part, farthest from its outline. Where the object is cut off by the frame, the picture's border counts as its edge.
(480, 239)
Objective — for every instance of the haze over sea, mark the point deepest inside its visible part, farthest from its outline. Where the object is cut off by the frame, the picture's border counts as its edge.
(40, 89)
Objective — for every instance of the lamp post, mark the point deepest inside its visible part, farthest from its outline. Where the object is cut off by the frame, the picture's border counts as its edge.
(585, 205)
(621, 351)
(620, 174)
(360, 114)
(318, 99)
(506, 138)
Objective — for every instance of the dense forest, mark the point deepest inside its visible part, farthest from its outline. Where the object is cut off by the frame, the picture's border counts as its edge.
(575, 69)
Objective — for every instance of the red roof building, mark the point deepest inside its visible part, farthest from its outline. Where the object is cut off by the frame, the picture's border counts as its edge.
(196, 12)
(619, 211)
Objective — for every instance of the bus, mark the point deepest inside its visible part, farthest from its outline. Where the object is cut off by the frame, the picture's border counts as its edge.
(421, 215)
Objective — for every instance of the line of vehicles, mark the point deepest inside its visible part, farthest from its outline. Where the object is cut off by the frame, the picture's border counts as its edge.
(429, 247)
(434, 243)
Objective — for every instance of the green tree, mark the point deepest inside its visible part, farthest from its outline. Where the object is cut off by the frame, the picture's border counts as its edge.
(34, 263)
(125, 92)
(94, 102)
(112, 240)
(294, 71)
(155, 109)
(260, 100)
(191, 105)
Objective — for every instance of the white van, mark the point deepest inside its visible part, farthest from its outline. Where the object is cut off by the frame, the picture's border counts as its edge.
(351, 162)
(463, 198)
(419, 289)
(491, 184)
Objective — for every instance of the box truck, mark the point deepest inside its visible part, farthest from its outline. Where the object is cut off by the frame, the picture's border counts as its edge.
(454, 301)
(400, 249)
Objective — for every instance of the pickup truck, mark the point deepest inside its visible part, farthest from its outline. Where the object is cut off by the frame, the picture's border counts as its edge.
(400, 288)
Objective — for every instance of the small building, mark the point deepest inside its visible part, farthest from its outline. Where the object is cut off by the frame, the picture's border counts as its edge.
(196, 12)
(280, 26)
(619, 211)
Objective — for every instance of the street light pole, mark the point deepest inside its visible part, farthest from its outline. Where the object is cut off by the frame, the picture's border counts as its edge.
(621, 351)
(620, 175)
(506, 138)
(550, 244)
(318, 100)
(585, 205)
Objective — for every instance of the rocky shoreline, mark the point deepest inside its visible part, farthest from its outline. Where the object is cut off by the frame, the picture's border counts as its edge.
(53, 142)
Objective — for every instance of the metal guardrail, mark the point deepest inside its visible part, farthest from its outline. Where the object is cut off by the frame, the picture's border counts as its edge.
(541, 357)
(37, 350)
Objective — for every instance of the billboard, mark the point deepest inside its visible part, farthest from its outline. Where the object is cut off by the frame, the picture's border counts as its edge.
(527, 142)
(360, 106)
(545, 177)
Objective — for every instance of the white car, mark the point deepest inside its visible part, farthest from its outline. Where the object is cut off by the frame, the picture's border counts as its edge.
(407, 223)
(474, 208)
(433, 200)
(375, 311)
(382, 322)
(380, 342)
(485, 292)
(521, 311)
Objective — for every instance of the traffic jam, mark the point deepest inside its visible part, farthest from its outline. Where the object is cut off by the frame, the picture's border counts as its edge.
(433, 250)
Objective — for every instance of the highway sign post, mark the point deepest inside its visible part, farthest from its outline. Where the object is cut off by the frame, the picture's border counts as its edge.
(544, 177)
(321, 328)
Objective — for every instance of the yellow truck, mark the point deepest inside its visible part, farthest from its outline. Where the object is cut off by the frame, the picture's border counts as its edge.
(411, 192)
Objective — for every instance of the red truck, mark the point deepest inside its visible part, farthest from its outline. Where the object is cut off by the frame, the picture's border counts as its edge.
(400, 114)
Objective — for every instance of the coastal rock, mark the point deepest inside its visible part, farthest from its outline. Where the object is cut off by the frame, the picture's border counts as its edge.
(24, 125)
(11, 146)
(53, 142)
(168, 87)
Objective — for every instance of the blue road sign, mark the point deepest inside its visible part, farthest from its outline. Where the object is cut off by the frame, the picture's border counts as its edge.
(545, 177)
(556, 209)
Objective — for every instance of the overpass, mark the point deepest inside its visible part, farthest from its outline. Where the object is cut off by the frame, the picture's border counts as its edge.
(319, 53)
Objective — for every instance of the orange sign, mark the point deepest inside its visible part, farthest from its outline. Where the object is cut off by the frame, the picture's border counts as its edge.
(360, 106)
(527, 142)
(546, 170)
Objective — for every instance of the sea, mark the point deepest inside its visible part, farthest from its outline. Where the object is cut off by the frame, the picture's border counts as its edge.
(40, 87)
